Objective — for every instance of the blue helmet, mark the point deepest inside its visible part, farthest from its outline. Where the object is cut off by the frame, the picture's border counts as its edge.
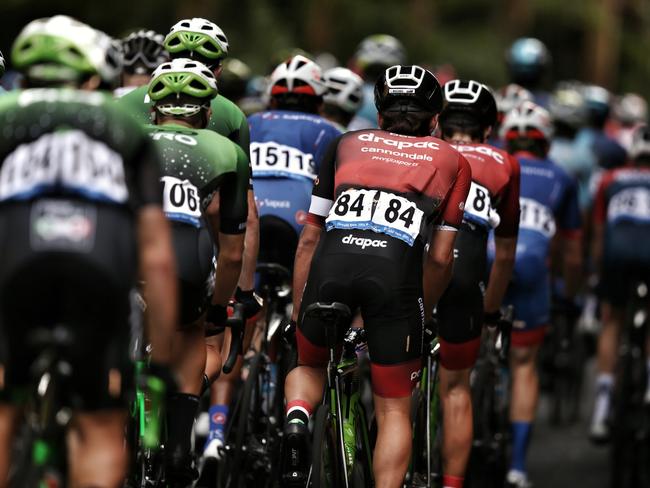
(527, 60)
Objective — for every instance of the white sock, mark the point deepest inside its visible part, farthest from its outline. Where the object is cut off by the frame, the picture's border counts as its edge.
(604, 385)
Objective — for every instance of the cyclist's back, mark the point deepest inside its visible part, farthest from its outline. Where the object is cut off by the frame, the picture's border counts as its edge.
(287, 143)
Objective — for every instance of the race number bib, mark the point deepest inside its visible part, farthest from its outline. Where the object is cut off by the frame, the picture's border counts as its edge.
(632, 203)
(181, 201)
(537, 217)
(377, 211)
(273, 159)
(478, 206)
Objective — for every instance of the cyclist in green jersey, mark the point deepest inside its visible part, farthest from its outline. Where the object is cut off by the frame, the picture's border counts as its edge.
(80, 218)
(205, 182)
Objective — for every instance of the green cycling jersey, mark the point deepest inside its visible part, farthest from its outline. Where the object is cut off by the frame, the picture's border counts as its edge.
(195, 164)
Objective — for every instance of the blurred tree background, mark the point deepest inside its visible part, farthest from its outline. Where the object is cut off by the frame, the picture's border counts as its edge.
(601, 41)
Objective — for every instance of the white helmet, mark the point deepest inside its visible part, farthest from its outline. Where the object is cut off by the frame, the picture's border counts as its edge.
(640, 142)
(297, 75)
(630, 109)
(62, 48)
(510, 96)
(344, 89)
(199, 36)
(182, 76)
(380, 49)
(527, 120)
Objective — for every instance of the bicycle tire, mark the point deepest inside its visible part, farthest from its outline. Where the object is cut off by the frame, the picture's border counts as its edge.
(229, 472)
(325, 459)
(362, 475)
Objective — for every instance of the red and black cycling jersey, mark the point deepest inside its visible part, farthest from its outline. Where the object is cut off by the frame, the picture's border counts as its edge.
(393, 184)
(493, 200)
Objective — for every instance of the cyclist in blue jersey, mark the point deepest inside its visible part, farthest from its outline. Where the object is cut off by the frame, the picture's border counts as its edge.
(286, 145)
(621, 227)
(549, 204)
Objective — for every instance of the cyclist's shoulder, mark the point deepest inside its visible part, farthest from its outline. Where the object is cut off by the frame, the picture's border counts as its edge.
(226, 109)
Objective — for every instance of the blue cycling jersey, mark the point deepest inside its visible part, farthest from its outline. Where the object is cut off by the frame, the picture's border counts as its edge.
(549, 202)
(286, 149)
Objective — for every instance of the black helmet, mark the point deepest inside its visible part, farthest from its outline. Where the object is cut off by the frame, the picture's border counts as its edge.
(143, 51)
(471, 99)
(408, 89)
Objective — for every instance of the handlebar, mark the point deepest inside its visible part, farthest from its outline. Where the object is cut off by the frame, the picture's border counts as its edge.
(236, 323)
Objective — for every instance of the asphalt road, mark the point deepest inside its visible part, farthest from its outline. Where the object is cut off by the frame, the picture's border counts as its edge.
(563, 457)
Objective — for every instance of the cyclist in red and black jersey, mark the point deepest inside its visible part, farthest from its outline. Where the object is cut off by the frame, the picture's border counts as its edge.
(466, 121)
(381, 196)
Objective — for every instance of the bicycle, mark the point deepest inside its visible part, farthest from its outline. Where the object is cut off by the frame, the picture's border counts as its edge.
(341, 453)
(630, 418)
(147, 431)
(425, 467)
(253, 433)
(490, 388)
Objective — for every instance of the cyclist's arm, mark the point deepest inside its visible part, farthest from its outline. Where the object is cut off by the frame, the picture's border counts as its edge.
(599, 219)
(156, 255)
(228, 214)
(505, 240)
(570, 224)
(322, 199)
(251, 245)
(439, 259)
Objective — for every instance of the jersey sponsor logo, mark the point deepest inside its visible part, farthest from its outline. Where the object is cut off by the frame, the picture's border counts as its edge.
(537, 217)
(301, 217)
(415, 375)
(363, 242)
(181, 201)
(399, 144)
(630, 204)
(381, 150)
(273, 159)
(266, 202)
(478, 206)
(376, 210)
(484, 150)
(62, 224)
(51, 95)
(174, 136)
(69, 159)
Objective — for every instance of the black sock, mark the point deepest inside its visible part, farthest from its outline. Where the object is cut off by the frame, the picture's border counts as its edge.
(181, 410)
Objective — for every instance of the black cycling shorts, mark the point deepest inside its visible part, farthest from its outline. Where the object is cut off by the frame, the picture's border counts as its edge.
(460, 309)
(73, 264)
(382, 277)
(278, 241)
(194, 265)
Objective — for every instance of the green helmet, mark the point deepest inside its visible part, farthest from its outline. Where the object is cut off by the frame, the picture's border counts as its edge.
(197, 36)
(182, 77)
(61, 49)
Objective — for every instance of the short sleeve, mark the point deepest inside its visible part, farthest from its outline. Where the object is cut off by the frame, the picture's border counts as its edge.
(508, 208)
(322, 197)
(233, 201)
(452, 213)
(568, 212)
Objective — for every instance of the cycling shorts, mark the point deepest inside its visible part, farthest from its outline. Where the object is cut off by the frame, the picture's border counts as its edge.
(460, 309)
(532, 308)
(381, 276)
(73, 264)
(278, 241)
(623, 262)
(194, 264)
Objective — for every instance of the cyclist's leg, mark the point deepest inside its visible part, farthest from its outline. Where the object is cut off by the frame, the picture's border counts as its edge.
(460, 314)
(96, 454)
(613, 291)
(393, 447)
(8, 421)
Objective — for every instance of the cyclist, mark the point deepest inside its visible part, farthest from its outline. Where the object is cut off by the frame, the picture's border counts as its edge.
(373, 55)
(466, 121)
(630, 111)
(549, 202)
(205, 183)
(286, 143)
(343, 98)
(381, 196)
(507, 98)
(528, 61)
(143, 51)
(79, 188)
(234, 79)
(621, 219)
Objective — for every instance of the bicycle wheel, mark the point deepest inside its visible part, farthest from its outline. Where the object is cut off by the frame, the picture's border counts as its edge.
(326, 469)
(362, 476)
(230, 470)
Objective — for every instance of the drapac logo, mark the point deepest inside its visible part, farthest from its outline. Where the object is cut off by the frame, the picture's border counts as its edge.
(363, 242)
(415, 375)
(399, 144)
